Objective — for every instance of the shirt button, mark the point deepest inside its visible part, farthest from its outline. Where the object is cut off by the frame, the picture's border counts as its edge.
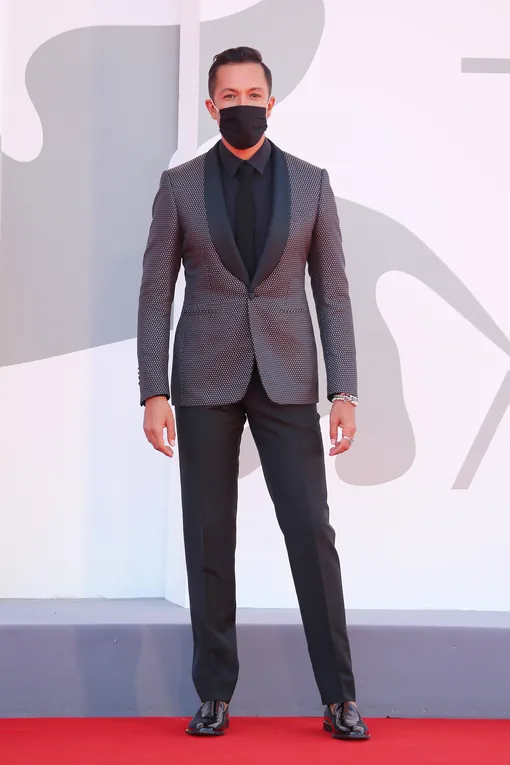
(250, 295)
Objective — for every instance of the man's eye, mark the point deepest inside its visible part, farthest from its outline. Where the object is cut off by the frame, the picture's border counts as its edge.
(256, 95)
(229, 96)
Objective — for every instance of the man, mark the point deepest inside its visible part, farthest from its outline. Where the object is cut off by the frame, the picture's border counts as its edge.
(246, 219)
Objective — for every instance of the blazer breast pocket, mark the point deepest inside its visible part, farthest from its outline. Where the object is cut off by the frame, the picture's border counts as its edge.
(199, 311)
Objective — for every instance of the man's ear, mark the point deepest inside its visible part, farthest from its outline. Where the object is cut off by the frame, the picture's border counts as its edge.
(270, 105)
(212, 110)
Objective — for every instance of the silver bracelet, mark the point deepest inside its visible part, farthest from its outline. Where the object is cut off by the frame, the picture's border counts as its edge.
(347, 397)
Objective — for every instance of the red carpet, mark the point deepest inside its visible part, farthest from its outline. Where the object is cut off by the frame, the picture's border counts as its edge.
(251, 742)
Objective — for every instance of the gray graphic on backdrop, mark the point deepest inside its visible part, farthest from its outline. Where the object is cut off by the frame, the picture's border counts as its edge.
(485, 65)
(376, 245)
(75, 220)
(484, 436)
(499, 406)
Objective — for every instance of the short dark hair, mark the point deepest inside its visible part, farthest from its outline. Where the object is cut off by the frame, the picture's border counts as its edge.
(241, 55)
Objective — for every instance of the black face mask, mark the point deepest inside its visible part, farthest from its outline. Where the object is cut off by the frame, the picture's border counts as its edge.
(243, 126)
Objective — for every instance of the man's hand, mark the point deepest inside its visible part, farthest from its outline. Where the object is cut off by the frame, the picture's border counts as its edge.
(343, 416)
(158, 416)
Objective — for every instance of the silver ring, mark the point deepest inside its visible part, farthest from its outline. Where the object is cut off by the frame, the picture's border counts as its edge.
(351, 440)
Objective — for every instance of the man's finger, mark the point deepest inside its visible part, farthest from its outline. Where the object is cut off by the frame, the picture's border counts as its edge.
(333, 429)
(158, 443)
(170, 431)
(345, 443)
(342, 446)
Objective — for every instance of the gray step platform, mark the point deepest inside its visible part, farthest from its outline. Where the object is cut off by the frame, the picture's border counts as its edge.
(94, 658)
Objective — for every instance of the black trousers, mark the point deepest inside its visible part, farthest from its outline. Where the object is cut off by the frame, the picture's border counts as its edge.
(289, 443)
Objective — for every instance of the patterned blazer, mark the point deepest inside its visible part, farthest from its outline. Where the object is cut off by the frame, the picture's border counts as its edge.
(228, 321)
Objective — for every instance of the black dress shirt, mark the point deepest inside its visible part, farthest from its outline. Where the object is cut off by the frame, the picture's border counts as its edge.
(262, 189)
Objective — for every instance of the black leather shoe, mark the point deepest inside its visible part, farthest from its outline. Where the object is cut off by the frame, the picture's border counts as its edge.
(212, 719)
(345, 723)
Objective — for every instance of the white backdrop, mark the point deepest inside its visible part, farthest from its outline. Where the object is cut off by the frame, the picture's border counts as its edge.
(386, 108)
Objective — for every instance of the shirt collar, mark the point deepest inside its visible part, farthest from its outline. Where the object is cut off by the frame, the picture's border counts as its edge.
(231, 163)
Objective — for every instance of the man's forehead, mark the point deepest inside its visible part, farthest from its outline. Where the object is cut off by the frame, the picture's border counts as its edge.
(245, 76)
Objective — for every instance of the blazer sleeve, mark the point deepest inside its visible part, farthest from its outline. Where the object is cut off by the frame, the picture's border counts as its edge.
(326, 266)
(161, 264)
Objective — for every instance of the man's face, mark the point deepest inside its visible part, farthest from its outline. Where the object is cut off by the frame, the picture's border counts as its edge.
(239, 85)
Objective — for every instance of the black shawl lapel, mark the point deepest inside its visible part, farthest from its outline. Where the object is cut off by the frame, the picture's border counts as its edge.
(217, 217)
(280, 219)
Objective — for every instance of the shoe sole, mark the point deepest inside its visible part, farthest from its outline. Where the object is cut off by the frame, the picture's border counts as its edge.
(211, 733)
(328, 728)
(203, 734)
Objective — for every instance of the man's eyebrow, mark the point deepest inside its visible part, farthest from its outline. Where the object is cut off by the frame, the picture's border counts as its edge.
(234, 90)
